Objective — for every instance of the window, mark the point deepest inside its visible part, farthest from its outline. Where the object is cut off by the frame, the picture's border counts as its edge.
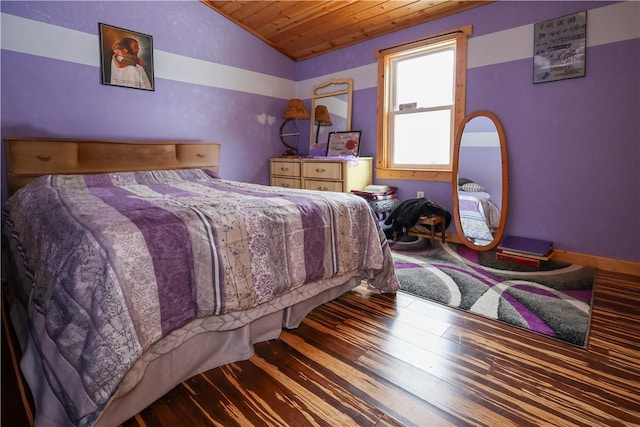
(421, 98)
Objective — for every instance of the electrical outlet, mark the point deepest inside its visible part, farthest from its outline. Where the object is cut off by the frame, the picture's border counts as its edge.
(420, 194)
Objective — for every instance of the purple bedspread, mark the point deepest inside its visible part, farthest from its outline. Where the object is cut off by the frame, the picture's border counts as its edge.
(114, 262)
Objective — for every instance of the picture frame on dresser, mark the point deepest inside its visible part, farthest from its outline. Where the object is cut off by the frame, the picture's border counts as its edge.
(344, 143)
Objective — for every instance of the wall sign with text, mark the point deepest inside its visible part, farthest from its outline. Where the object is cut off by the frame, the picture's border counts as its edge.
(559, 48)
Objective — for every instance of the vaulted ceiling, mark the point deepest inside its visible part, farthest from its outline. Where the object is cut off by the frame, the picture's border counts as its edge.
(305, 29)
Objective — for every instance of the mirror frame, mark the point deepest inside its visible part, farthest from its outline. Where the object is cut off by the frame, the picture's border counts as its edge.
(324, 90)
(505, 180)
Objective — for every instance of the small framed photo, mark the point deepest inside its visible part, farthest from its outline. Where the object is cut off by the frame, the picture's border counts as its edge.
(344, 143)
(126, 58)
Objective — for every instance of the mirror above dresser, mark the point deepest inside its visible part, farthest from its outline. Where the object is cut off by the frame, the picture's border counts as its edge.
(331, 104)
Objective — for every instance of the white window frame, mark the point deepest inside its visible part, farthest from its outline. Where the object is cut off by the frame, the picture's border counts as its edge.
(385, 167)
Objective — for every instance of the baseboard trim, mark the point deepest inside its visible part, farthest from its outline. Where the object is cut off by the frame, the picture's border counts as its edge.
(601, 263)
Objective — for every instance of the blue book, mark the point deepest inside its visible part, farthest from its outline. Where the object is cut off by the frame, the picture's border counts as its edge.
(526, 245)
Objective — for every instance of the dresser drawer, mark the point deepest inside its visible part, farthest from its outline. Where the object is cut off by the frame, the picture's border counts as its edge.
(285, 168)
(323, 174)
(324, 170)
(278, 181)
(310, 184)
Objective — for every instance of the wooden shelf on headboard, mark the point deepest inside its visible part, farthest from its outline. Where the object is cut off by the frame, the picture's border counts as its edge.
(29, 158)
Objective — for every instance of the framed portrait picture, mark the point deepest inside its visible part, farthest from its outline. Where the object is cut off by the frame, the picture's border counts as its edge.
(559, 49)
(344, 143)
(126, 58)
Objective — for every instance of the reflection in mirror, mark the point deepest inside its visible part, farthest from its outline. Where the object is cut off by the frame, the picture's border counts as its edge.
(321, 117)
(335, 96)
(480, 180)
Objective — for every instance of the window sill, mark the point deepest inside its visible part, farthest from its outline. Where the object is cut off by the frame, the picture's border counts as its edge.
(414, 175)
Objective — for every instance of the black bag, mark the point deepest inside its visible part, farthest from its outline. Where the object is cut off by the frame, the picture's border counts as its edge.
(406, 215)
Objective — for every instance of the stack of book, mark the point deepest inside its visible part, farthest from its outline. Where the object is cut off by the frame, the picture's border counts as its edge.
(524, 250)
(376, 193)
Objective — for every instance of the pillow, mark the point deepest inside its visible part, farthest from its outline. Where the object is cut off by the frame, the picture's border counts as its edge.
(463, 181)
(472, 186)
(212, 173)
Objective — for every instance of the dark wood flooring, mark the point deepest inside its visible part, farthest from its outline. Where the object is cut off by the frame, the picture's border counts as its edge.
(382, 360)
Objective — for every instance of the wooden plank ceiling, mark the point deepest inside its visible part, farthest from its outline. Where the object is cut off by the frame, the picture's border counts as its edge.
(305, 29)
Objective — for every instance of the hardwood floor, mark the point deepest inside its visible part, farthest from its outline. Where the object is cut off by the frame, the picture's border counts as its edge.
(382, 360)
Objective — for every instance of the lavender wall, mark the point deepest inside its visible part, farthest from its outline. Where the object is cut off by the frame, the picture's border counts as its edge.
(573, 144)
(42, 96)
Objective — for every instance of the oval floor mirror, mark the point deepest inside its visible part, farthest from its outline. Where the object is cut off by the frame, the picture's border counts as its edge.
(480, 181)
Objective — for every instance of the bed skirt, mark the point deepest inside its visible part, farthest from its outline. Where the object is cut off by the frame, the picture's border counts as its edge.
(201, 345)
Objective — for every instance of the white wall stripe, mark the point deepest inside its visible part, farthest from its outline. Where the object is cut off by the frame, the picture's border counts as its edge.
(37, 38)
(502, 46)
(49, 41)
(615, 23)
(608, 24)
(364, 77)
(190, 70)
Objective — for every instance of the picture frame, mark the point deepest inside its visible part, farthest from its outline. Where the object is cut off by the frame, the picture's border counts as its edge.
(559, 49)
(126, 58)
(344, 143)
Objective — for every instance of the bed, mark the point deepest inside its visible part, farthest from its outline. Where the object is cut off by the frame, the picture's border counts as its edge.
(479, 216)
(126, 280)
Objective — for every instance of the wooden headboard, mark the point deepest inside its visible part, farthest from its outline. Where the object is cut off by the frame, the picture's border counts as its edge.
(29, 158)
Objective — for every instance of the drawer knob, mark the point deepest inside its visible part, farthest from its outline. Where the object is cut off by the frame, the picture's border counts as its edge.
(200, 155)
(283, 169)
(43, 158)
(320, 170)
(285, 185)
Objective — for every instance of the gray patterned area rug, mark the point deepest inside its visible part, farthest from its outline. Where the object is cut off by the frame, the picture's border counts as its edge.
(553, 299)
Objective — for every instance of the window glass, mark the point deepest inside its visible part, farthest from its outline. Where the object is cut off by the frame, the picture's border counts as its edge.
(421, 138)
(425, 78)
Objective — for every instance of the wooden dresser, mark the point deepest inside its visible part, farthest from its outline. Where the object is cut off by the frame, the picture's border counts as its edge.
(330, 174)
